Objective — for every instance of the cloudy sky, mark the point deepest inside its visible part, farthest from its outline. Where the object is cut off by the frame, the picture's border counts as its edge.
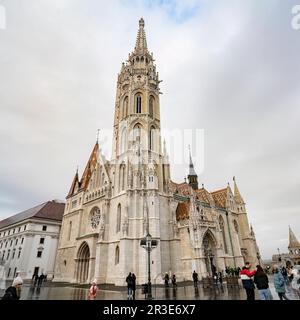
(229, 68)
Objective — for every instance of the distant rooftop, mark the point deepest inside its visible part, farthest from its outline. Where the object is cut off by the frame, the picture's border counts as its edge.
(52, 210)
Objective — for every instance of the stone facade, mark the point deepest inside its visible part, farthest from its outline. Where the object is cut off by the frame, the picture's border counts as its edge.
(117, 202)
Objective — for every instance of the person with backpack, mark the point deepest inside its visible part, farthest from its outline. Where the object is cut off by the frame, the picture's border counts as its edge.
(93, 291)
(262, 283)
(14, 291)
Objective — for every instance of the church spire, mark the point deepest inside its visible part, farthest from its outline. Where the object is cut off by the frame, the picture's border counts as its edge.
(192, 177)
(237, 196)
(293, 241)
(75, 183)
(141, 42)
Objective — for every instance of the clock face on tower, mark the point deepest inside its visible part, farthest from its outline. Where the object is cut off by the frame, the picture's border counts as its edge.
(95, 217)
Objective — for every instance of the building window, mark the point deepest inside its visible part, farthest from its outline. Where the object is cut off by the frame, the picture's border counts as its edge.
(19, 229)
(9, 232)
(151, 106)
(14, 231)
(119, 218)
(25, 227)
(123, 141)
(70, 230)
(13, 254)
(22, 240)
(152, 138)
(8, 254)
(16, 241)
(221, 223)
(19, 254)
(137, 132)
(44, 228)
(42, 240)
(138, 103)
(11, 242)
(8, 274)
(125, 107)
(117, 255)
(15, 272)
(39, 254)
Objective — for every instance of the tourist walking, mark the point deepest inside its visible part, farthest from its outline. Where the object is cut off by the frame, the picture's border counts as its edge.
(220, 277)
(279, 283)
(247, 282)
(166, 278)
(40, 280)
(93, 291)
(133, 285)
(262, 284)
(14, 291)
(195, 278)
(129, 281)
(174, 281)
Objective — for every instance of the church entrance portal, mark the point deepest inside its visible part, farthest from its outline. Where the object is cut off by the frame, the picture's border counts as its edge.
(83, 261)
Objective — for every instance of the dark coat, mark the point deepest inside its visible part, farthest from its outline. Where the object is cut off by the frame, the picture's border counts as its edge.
(129, 281)
(133, 278)
(261, 280)
(11, 294)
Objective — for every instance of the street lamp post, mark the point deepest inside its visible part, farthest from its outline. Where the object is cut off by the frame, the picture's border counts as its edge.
(148, 243)
(149, 247)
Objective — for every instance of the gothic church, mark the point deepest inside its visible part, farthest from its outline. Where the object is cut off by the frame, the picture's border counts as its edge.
(115, 203)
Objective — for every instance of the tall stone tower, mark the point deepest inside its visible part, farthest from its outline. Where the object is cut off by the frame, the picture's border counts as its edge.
(141, 171)
(249, 248)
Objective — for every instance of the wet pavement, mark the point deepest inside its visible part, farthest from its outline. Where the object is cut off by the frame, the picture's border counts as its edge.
(186, 291)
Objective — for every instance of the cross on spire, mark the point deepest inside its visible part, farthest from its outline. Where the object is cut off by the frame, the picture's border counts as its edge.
(98, 131)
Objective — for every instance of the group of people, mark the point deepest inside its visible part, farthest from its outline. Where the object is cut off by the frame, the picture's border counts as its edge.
(173, 280)
(38, 280)
(131, 286)
(259, 278)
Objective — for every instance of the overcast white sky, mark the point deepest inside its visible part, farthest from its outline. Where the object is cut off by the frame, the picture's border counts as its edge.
(230, 68)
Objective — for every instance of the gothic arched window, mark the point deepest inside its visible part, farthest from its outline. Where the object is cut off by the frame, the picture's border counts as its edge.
(151, 106)
(137, 132)
(221, 223)
(118, 218)
(125, 107)
(123, 141)
(152, 138)
(236, 226)
(117, 255)
(122, 177)
(138, 103)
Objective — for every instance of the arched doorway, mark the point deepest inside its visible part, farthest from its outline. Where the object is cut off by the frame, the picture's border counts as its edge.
(83, 262)
(209, 249)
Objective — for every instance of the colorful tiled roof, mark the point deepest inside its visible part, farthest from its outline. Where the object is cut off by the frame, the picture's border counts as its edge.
(182, 211)
(220, 197)
(203, 195)
(88, 169)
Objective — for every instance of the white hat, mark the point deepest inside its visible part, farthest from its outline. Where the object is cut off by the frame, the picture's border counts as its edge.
(17, 280)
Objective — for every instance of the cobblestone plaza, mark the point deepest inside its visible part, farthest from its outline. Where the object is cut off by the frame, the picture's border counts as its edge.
(184, 291)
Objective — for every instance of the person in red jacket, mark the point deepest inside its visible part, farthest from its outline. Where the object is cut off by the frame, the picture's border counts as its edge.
(247, 282)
